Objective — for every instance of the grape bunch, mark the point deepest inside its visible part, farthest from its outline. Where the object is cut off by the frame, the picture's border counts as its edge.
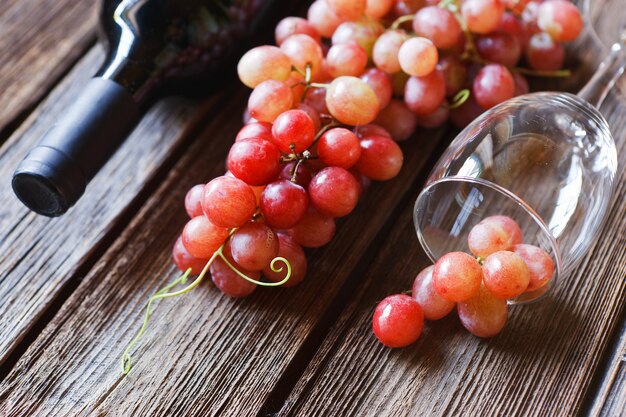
(328, 106)
(478, 286)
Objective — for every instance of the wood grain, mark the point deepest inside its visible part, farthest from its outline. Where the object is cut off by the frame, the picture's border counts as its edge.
(39, 41)
(39, 256)
(206, 354)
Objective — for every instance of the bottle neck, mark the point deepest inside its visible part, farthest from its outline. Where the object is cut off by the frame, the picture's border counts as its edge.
(604, 79)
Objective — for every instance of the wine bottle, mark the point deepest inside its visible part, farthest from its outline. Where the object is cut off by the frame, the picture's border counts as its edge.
(154, 48)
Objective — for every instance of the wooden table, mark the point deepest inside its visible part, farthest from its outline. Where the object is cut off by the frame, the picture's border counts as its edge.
(73, 289)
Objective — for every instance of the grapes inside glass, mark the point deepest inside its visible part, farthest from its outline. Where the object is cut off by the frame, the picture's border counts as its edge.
(547, 160)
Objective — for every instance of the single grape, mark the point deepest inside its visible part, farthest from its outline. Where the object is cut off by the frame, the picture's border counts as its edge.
(260, 130)
(227, 280)
(493, 234)
(424, 293)
(493, 85)
(509, 23)
(457, 276)
(505, 274)
(482, 16)
(293, 128)
(364, 32)
(364, 182)
(454, 73)
(543, 53)
(398, 321)
(483, 315)
(193, 201)
(397, 120)
(339, 147)
(202, 238)
(346, 59)
(323, 18)
(381, 158)
(406, 7)
(378, 8)
(254, 161)
(184, 260)
(302, 50)
(289, 249)
(254, 245)
(334, 192)
(313, 230)
(303, 176)
(561, 19)
(294, 26)
(435, 119)
(521, 84)
(380, 83)
(466, 113)
(539, 262)
(351, 101)
(386, 48)
(348, 9)
(424, 95)
(500, 48)
(316, 98)
(228, 202)
(369, 130)
(283, 203)
(269, 99)
(418, 57)
(439, 25)
(313, 114)
(263, 63)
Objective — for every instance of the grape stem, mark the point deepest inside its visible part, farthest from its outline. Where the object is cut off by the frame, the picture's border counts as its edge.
(521, 70)
(401, 20)
(298, 70)
(164, 293)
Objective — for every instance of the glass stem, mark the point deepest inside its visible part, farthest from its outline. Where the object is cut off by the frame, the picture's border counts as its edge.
(604, 79)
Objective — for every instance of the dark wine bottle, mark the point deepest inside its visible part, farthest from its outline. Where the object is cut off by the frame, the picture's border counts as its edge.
(154, 48)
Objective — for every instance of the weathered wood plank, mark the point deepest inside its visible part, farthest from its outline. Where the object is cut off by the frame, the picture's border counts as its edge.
(205, 354)
(38, 256)
(542, 362)
(39, 41)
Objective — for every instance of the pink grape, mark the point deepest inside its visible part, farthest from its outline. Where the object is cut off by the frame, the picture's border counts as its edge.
(364, 33)
(505, 274)
(493, 85)
(339, 147)
(283, 203)
(561, 19)
(334, 192)
(303, 175)
(371, 129)
(184, 260)
(346, 59)
(493, 234)
(397, 120)
(543, 53)
(378, 8)
(202, 238)
(261, 130)
(263, 63)
(434, 119)
(316, 98)
(380, 83)
(323, 18)
(482, 16)
(228, 202)
(386, 48)
(483, 315)
(302, 50)
(418, 57)
(348, 9)
(439, 25)
(269, 99)
(398, 321)
(512, 25)
(227, 280)
(193, 201)
(313, 230)
(254, 161)
(424, 95)
(294, 26)
(457, 276)
(454, 72)
(539, 262)
(351, 101)
(293, 128)
(289, 249)
(254, 245)
(500, 48)
(381, 158)
(424, 293)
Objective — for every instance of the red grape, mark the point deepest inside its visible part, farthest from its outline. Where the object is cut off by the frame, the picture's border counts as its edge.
(283, 203)
(454, 73)
(493, 85)
(263, 63)
(500, 48)
(228, 202)
(434, 119)
(539, 262)
(302, 50)
(505, 274)
(348, 9)
(202, 238)
(437, 24)
(193, 201)
(316, 98)
(483, 315)
(378, 8)
(323, 18)
(339, 147)
(227, 280)
(313, 230)
(371, 129)
(260, 130)
(380, 83)
(424, 293)
(424, 95)
(457, 276)
(398, 120)
(386, 48)
(351, 101)
(363, 32)
(334, 192)
(398, 321)
(418, 57)
(254, 161)
(303, 176)
(184, 260)
(313, 114)
(346, 59)
(254, 245)
(561, 19)
(482, 16)
(293, 26)
(381, 158)
(269, 99)
(493, 234)
(293, 128)
(543, 53)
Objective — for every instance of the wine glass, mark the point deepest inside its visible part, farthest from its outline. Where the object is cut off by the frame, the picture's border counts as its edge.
(547, 160)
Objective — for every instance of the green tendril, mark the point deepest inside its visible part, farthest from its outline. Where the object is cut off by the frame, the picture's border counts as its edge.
(401, 20)
(537, 73)
(459, 99)
(272, 267)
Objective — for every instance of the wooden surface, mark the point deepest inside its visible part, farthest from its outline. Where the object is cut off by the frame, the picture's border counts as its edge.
(72, 290)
